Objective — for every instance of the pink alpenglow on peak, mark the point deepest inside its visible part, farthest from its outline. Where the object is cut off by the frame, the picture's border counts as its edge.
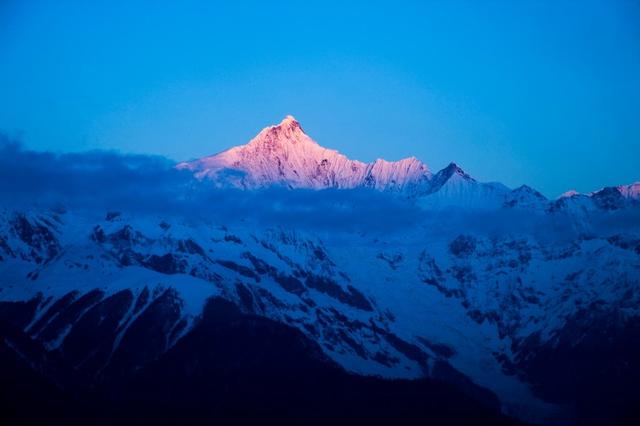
(568, 194)
(290, 120)
(284, 155)
(631, 191)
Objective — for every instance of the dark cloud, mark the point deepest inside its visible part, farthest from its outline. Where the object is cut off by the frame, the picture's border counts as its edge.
(95, 177)
(143, 184)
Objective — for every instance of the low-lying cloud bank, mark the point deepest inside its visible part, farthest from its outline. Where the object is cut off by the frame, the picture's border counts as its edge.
(91, 178)
(103, 181)
(142, 184)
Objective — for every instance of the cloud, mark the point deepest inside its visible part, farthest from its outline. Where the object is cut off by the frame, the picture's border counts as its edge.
(103, 181)
(95, 177)
(142, 184)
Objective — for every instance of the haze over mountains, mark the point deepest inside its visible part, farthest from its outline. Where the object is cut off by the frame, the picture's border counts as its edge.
(280, 275)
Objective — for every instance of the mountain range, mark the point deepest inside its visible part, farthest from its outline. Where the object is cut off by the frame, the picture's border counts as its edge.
(284, 155)
(463, 302)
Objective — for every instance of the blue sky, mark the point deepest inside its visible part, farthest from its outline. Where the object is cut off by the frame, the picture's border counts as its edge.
(543, 93)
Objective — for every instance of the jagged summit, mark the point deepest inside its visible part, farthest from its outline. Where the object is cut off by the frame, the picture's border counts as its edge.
(526, 189)
(289, 129)
(449, 175)
(568, 194)
(525, 197)
(285, 155)
(454, 169)
(289, 120)
(631, 191)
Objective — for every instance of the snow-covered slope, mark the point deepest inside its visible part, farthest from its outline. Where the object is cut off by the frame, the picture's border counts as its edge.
(444, 299)
(471, 283)
(631, 191)
(453, 187)
(525, 197)
(284, 155)
(606, 199)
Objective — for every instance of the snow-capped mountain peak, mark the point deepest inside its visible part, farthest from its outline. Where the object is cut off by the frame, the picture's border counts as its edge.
(453, 170)
(288, 131)
(285, 155)
(631, 191)
(289, 121)
(453, 187)
(568, 194)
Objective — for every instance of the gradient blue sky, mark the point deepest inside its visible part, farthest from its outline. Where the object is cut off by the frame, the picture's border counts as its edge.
(542, 92)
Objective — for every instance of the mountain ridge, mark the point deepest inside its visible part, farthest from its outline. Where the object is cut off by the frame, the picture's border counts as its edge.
(505, 299)
(284, 155)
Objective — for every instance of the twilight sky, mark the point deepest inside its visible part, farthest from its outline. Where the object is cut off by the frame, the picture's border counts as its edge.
(541, 92)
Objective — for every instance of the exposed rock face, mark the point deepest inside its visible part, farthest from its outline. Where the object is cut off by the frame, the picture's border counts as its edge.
(231, 364)
(431, 301)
